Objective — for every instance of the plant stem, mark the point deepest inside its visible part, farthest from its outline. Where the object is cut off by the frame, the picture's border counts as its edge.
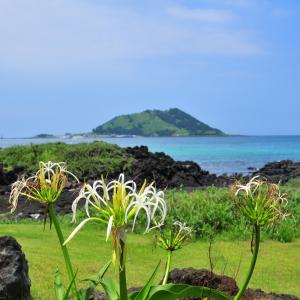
(168, 266)
(253, 262)
(122, 270)
(64, 250)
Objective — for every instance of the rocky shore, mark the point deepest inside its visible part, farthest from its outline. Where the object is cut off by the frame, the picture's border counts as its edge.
(158, 167)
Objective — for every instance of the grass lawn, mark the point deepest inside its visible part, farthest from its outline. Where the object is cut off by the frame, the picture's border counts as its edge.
(278, 267)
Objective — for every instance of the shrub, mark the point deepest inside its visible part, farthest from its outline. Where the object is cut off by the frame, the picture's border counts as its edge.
(87, 160)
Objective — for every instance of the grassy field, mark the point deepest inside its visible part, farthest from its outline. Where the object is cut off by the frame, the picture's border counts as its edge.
(277, 269)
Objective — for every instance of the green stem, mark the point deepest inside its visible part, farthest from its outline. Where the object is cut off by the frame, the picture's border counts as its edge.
(64, 249)
(168, 266)
(122, 270)
(253, 262)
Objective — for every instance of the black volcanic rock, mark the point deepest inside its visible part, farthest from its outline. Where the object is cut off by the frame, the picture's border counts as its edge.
(221, 283)
(258, 294)
(280, 171)
(8, 177)
(203, 278)
(35, 210)
(166, 172)
(14, 278)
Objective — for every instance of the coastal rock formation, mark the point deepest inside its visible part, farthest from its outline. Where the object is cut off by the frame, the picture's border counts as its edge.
(280, 171)
(36, 210)
(8, 177)
(14, 278)
(166, 172)
(158, 167)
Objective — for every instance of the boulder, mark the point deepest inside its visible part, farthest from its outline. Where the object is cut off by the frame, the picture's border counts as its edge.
(204, 278)
(222, 283)
(14, 278)
(258, 294)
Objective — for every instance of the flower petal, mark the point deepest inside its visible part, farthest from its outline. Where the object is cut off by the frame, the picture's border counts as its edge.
(109, 226)
(76, 230)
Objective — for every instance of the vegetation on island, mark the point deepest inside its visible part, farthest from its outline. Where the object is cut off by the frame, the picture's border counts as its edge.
(172, 122)
(44, 136)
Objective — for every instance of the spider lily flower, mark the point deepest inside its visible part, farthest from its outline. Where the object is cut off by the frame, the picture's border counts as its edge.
(260, 201)
(45, 186)
(178, 235)
(252, 184)
(171, 241)
(118, 204)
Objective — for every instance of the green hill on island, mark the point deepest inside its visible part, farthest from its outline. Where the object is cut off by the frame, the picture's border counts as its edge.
(172, 122)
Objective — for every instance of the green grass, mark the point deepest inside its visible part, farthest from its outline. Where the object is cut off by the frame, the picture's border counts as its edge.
(278, 267)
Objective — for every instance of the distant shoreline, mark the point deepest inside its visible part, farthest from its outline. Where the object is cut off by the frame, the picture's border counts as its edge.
(218, 155)
(140, 136)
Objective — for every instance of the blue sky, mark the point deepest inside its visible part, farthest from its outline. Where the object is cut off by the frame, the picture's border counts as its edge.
(70, 65)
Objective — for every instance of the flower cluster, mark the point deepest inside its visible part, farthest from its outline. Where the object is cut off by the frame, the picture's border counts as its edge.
(174, 238)
(260, 201)
(45, 186)
(118, 204)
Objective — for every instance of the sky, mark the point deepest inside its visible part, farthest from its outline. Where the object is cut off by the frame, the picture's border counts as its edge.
(71, 65)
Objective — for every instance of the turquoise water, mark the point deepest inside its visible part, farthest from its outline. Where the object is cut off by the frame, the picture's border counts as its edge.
(215, 154)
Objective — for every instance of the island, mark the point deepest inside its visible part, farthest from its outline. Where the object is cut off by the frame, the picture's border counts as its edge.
(171, 122)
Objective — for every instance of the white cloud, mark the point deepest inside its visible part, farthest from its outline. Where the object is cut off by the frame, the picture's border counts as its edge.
(203, 15)
(56, 34)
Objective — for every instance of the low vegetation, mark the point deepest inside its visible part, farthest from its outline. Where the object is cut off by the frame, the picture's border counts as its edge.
(86, 159)
(210, 212)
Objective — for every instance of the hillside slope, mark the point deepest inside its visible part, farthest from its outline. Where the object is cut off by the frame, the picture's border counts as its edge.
(172, 122)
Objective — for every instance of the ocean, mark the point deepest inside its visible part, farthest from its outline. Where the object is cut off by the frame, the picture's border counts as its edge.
(216, 154)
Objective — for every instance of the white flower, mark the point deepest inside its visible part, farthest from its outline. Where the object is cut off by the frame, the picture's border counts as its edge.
(248, 187)
(174, 239)
(183, 227)
(45, 186)
(118, 203)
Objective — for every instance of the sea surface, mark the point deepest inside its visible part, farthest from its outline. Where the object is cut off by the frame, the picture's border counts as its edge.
(216, 154)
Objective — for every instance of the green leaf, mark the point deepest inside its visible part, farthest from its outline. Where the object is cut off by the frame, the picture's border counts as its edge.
(58, 286)
(104, 270)
(60, 293)
(143, 294)
(85, 294)
(94, 281)
(132, 295)
(177, 291)
(66, 296)
(111, 289)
